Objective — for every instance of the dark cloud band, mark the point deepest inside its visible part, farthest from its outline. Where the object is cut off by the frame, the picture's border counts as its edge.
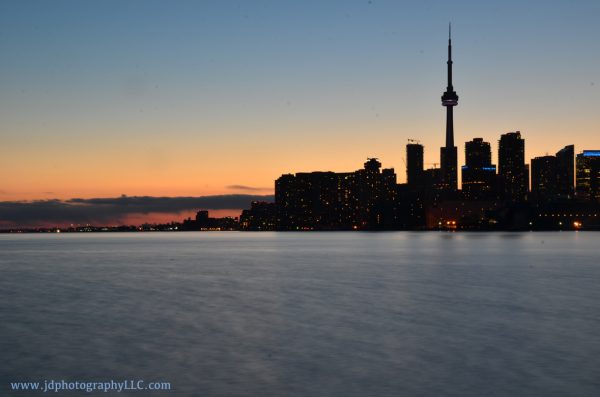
(249, 188)
(103, 210)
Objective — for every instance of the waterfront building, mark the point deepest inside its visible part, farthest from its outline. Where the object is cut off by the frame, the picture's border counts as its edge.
(565, 172)
(414, 165)
(512, 170)
(203, 222)
(588, 176)
(260, 217)
(478, 174)
(544, 178)
(360, 200)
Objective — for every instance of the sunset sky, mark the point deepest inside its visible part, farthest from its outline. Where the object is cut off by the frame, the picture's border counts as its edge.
(203, 98)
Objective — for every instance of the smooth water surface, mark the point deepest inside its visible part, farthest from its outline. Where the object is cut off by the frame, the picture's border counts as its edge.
(305, 314)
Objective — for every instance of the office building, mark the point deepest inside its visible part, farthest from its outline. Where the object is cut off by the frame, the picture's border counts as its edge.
(565, 172)
(414, 165)
(478, 174)
(512, 171)
(588, 176)
(544, 178)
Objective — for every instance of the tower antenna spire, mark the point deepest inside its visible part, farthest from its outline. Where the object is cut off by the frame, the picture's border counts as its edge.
(448, 156)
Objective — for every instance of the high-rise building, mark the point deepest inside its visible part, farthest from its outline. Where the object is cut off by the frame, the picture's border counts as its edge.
(565, 172)
(552, 177)
(414, 164)
(478, 153)
(364, 199)
(512, 171)
(448, 156)
(479, 174)
(307, 200)
(544, 178)
(588, 175)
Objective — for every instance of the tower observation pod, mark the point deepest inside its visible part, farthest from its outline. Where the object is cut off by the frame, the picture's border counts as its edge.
(448, 153)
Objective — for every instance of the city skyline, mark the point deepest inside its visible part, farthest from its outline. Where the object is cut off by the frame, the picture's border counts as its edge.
(55, 163)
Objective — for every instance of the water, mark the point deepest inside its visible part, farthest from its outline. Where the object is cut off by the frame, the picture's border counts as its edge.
(305, 314)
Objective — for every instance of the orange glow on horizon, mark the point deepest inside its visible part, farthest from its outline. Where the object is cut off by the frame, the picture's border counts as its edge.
(84, 167)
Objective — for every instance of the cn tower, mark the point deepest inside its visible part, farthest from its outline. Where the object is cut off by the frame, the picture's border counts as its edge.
(448, 160)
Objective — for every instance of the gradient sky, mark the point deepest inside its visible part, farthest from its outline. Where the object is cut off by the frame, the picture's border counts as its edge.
(189, 98)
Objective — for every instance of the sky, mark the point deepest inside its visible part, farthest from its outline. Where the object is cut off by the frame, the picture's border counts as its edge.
(100, 99)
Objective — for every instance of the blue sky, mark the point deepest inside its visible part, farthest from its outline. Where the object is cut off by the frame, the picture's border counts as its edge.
(195, 96)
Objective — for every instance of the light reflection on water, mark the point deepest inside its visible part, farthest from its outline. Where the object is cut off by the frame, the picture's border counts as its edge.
(306, 314)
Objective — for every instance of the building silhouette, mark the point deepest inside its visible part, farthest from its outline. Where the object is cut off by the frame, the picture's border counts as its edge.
(314, 201)
(552, 177)
(371, 199)
(448, 153)
(203, 222)
(478, 174)
(513, 173)
(262, 216)
(414, 164)
(588, 176)
(360, 200)
(565, 172)
(544, 178)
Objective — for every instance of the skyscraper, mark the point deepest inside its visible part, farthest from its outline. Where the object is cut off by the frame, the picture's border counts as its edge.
(544, 178)
(414, 164)
(565, 172)
(479, 174)
(588, 175)
(513, 173)
(448, 158)
(478, 153)
(363, 199)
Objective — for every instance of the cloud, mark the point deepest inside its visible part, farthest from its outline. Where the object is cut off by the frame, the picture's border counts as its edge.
(249, 188)
(113, 209)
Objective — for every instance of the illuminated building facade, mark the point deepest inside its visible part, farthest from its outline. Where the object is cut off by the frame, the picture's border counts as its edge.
(588, 176)
(360, 200)
(261, 216)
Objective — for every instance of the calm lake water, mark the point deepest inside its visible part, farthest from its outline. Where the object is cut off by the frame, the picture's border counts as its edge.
(305, 314)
